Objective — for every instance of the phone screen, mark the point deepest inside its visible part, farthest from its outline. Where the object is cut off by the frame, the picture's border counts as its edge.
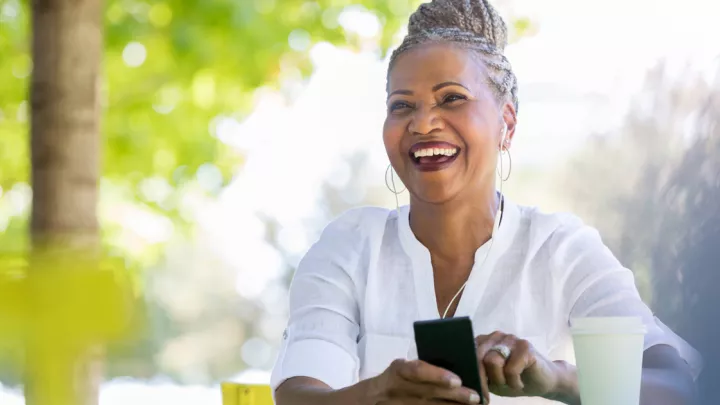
(450, 344)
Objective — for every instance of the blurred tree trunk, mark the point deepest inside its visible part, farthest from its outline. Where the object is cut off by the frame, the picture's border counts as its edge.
(65, 150)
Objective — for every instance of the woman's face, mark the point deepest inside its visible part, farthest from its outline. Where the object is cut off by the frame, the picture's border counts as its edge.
(444, 125)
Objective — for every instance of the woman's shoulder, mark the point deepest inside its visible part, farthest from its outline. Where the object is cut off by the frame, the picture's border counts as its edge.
(360, 220)
(354, 229)
(346, 241)
(563, 238)
(362, 214)
(554, 230)
(549, 222)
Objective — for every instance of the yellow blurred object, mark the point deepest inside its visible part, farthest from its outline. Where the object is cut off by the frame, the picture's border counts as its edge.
(66, 301)
(246, 394)
(55, 309)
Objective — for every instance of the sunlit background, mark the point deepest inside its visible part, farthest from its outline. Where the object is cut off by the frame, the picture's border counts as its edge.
(235, 131)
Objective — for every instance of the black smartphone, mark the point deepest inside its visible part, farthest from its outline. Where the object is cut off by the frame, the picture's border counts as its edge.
(450, 344)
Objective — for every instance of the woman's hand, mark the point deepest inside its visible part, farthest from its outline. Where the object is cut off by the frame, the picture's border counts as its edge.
(411, 382)
(524, 373)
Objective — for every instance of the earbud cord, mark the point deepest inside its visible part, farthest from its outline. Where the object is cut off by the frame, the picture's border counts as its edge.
(392, 180)
(498, 219)
(496, 226)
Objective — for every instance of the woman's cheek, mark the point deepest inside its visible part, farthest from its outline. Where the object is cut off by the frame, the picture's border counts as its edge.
(393, 137)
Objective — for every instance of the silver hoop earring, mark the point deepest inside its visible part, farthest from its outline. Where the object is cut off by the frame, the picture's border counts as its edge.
(390, 183)
(501, 165)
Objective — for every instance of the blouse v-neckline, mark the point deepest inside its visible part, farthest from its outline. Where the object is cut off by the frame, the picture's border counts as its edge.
(480, 273)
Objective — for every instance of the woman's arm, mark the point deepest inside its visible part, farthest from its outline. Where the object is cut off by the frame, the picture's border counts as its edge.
(402, 383)
(320, 342)
(592, 282)
(666, 380)
(306, 391)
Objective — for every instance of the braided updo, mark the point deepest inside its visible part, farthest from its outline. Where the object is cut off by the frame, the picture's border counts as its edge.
(471, 24)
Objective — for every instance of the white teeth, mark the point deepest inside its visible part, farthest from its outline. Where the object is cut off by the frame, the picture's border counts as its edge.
(435, 151)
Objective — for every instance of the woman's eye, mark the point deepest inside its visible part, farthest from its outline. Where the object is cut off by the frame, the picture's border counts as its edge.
(398, 106)
(453, 97)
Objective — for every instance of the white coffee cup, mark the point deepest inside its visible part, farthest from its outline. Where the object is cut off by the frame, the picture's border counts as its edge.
(608, 354)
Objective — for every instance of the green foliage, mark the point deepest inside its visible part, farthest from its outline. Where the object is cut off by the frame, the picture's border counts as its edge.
(201, 60)
(15, 67)
(170, 70)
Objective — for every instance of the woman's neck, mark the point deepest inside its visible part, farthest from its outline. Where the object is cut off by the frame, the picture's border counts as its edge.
(453, 231)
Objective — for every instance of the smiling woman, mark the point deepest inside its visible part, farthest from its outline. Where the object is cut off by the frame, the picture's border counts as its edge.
(449, 104)
(459, 249)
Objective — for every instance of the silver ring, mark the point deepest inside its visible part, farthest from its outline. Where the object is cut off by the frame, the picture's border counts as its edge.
(502, 350)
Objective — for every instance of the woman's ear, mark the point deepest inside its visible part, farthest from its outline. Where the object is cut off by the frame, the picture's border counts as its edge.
(509, 116)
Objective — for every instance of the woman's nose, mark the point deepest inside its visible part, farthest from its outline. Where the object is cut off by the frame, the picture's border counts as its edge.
(425, 120)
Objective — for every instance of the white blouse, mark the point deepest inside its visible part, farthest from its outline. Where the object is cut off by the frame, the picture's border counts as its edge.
(357, 292)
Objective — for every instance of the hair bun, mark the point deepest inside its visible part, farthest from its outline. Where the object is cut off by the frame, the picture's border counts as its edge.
(476, 17)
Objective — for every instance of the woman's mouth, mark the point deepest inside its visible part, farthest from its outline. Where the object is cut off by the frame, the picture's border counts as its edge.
(432, 156)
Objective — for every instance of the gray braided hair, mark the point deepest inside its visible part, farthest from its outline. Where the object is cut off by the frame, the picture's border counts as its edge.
(471, 24)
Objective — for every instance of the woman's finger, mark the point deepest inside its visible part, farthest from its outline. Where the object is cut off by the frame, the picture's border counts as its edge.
(421, 372)
(484, 343)
(412, 401)
(460, 395)
(483, 382)
(494, 365)
(519, 360)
